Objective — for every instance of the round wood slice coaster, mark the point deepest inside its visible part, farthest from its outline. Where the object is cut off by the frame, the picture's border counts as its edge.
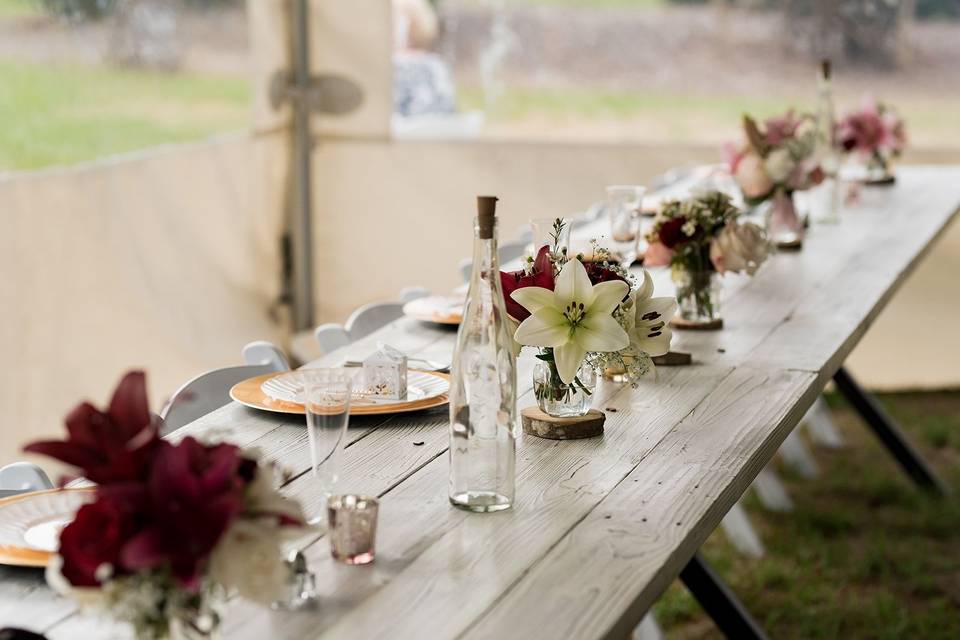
(537, 423)
(886, 181)
(680, 323)
(792, 245)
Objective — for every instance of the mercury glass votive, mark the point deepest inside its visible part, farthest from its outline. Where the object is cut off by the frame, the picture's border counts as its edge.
(352, 528)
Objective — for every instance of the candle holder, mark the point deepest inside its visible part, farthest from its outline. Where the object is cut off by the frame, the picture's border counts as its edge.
(352, 528)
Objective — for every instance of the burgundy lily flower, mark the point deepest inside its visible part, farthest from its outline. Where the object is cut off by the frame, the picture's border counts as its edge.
(93, 542)
(111, 446)
(540, 276)
(195, 492)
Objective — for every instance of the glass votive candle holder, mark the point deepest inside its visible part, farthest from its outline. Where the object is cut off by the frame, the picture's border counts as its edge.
(352, 528)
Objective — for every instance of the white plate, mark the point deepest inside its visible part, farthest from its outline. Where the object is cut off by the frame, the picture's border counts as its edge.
(288, 387)
(436, 309)
(30, 524)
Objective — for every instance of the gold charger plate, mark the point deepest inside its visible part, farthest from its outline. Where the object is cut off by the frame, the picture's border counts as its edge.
(250, 393)
(30, 524)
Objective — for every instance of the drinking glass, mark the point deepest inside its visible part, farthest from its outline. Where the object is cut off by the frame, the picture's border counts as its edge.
(327, 402)
(542, 229)
(624, 203)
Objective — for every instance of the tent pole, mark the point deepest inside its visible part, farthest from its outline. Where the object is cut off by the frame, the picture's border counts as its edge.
(302, 218)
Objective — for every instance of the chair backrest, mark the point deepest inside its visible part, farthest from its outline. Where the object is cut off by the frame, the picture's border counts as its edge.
(511, 251)
(267, 353)
(408, 294)
(465, 268)
(331, 336)
(205, 393)
(371, 317)
(24, 476)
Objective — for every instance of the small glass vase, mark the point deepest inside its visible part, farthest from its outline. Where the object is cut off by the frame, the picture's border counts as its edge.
(784, 226)
(196, 619)
(698, 297)
(879, 170)
(561, 400)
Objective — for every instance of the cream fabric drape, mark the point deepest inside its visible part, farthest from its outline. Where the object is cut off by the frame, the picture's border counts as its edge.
(166, 260)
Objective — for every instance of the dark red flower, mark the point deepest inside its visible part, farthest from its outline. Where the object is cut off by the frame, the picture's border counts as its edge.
(195, 492)
(111, 446)
(599, 273)
(97, 536)
(540, 276)
(671, 232)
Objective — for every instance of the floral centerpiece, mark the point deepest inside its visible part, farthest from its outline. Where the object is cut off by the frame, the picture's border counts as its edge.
(584, 316)
(701, 238)
(777, 159)
(171, 528)
(877, 135)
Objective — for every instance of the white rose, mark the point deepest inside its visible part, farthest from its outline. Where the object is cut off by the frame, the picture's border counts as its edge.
(249, 559)
(778, 165)
(739, 247)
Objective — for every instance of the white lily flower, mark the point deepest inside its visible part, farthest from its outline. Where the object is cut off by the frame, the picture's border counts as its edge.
(574, 318)
(651, 330)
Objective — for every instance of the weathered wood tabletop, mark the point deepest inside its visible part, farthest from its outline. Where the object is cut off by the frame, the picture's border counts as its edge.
(602, 526)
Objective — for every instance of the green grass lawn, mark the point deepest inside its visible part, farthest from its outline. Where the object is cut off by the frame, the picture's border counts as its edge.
(585, 4)
(18, 8)
(62, 115)
(675, 117)
(864, 554)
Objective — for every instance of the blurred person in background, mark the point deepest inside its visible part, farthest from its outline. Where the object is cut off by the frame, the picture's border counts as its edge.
(423, 85)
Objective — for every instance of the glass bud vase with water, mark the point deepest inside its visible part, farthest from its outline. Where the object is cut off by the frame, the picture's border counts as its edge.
(825, 198)
(483, 384)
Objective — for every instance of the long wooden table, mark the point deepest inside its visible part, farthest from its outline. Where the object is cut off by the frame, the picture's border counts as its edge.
(602, 526)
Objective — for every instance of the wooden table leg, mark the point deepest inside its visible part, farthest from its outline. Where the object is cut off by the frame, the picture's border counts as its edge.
(889, 433)
(733, 620)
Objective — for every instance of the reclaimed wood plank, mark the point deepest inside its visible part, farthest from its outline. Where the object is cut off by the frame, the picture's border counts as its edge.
(604, 576)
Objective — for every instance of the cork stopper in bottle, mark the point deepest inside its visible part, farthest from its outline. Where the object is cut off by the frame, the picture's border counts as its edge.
(825, 69)
(486, 215)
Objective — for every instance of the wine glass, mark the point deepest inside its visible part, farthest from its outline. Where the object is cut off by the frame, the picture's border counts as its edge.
(623, 209)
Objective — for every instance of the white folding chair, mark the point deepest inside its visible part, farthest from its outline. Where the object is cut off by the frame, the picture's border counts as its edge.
(371, 317)
(263, 352)
(408, 294)
(511, 251)
(23, 477)
(331, 336)
(820, 424)
(211, 390)
(465, 268)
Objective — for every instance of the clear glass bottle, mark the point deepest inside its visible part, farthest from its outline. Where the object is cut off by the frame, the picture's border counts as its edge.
(483, 384)
(825, 197)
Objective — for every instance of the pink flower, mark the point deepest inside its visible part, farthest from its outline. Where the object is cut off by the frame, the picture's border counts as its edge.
(738, 247)
(752, 176)
(111, 446)
(732, 155)
(781, 128)
(874, 128)
(657, 255)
